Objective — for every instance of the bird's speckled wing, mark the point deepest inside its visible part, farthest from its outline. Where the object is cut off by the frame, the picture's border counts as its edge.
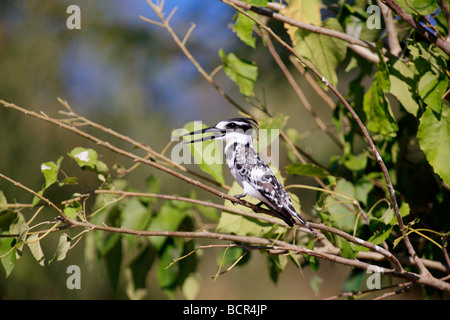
(255, 171)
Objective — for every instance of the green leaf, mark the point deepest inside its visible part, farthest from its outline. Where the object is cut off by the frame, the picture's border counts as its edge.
(434, 140)
(340, 209)
(35, 248)
(141, 264)
(431, 88)
(269, 130)
(50, 170)
(324, 52)
(356, 163)
(241, 225)
(10, 248)
(19, 226)
(167, 277)
(381, 233)
(73, 209)
(426, 55)
(347, 249)
(244, 29)
(153, 185)
(362, 189)
(62, 248)
(69, 181)
(315, 282)
(244, 226)
(423, 7)
(257, 3)
(208, 212)
(206, 154)
(84, 157)
(403, 86)
(191, 286)
(307, 169)
(8, 254)
(307, 11)
(3, 201)
(113, 259)
(169, 218)
(243, 73)
(228, 256)
(276, 264)
(6, 219)
(135, 215)
(376, 106)
(353, 283)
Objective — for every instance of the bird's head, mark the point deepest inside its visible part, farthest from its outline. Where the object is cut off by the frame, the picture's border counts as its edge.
(236, 130)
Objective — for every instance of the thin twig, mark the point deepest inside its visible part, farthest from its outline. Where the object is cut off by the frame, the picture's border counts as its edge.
(34, 193)
(152, 154)
(181, 44)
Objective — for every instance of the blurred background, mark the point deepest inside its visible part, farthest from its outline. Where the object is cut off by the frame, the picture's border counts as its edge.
(129, 75)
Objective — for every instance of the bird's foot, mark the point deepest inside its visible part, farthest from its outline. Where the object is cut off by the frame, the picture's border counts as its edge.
(238, 198)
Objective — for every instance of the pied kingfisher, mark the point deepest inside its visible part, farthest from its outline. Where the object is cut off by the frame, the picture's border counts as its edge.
(250, 171)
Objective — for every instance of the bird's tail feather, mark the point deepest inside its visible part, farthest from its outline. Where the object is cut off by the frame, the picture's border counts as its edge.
(292, 213)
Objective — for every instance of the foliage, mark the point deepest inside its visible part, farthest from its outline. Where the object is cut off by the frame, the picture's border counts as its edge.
(402, 100)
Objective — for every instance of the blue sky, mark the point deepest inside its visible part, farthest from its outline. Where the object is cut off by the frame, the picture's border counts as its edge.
(170, 85)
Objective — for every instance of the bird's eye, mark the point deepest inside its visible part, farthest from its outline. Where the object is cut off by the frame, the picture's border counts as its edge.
(231, 125)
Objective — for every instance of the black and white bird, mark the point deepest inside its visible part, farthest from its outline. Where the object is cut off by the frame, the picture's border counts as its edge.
(250, 171)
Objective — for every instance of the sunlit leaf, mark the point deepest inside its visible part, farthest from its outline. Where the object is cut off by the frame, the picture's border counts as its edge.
(244, 29)
(434, 140)
(307, 11)
(431, 88)
(50, 170)
(324, 52)
(403, 86)
(84, 157)
(243, 73)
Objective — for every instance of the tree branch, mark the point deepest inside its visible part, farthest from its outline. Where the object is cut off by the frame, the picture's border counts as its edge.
(444, 45)
(270, 244)
(363, 128)
(365, 49)
(394, 45)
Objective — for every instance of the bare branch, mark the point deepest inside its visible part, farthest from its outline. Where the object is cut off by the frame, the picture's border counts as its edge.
(394, 45)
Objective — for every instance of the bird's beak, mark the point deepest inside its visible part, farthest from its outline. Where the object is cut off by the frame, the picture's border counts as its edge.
(216, 133)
